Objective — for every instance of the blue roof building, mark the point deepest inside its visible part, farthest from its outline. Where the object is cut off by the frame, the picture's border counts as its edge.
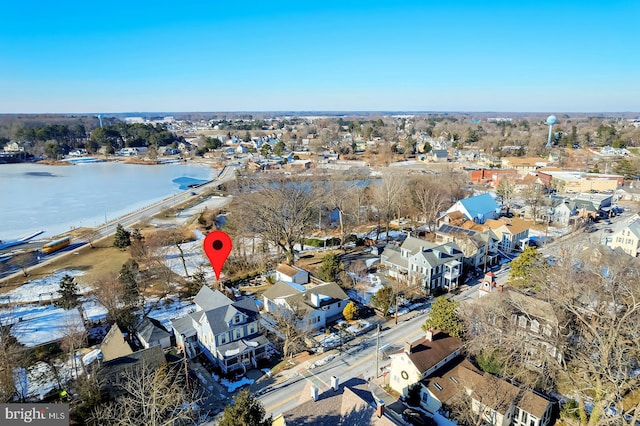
(478, 208)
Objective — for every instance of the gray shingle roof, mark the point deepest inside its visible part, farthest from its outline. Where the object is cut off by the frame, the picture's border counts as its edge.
(208, 299)
(150, 330)
(184, 325)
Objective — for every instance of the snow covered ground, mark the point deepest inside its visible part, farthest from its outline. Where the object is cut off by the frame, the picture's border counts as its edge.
(41, 289)
(170, 308)
(57, 324)
(232, 386)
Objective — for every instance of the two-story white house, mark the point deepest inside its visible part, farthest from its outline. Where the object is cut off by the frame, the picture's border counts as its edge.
(317, 305)
(430, 264)
(628, 239)
(226, 332)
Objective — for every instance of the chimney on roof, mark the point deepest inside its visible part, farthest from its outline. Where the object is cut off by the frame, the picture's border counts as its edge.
(407, 347)
(314, 393)
(334, 383)
(429, 335)
(315, 300)
(379, 408)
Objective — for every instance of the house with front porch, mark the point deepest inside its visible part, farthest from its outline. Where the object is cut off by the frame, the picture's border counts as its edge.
(430, 265)
(313, 306)
(227, 332)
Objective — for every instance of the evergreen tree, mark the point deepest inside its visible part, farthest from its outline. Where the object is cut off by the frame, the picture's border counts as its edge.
(69, 293)
(129, 279)
(383, 299)
(523, 266)
(246, 410)
(330, 268)
(444, 317)
(195, 283)
(122, 239)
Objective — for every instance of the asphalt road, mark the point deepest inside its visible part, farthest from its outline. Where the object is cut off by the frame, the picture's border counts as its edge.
(357, 359)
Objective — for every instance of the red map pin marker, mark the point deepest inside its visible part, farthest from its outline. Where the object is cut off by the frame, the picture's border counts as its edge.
(217, 246)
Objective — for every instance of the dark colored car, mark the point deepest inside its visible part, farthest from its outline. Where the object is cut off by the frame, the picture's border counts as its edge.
(415, 418)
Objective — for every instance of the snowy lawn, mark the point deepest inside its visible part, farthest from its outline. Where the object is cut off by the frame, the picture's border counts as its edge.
(48, 328)
(168, 309)
(232, 386)
(41, 289)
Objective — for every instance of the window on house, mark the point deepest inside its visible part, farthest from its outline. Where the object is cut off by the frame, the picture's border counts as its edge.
(236, 319)
(223, 339)
(238, 333)
(533, 421)
(535, 326)
(437, 386)
(522, 321)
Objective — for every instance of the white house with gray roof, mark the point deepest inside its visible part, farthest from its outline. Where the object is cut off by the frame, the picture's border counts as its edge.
(431, 264)
(628, 239)
(226, 332)
(316, 304)
(151, 333)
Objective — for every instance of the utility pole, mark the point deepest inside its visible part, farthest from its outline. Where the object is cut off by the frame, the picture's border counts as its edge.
(186, 370)
(486, 249)
(378, 352)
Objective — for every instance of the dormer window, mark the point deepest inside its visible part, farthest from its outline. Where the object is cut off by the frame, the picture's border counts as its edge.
(236, 319)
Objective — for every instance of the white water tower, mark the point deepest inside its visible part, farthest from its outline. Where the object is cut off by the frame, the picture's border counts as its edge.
(551, 120)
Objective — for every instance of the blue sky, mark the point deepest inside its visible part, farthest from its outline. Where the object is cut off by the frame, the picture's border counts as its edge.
(116, 56)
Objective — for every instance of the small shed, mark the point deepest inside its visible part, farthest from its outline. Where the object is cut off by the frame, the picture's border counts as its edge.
(151, 333)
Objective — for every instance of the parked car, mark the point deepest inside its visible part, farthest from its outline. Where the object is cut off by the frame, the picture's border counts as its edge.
(415, 418)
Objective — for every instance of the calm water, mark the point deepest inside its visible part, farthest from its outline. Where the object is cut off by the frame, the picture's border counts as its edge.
(36, 197)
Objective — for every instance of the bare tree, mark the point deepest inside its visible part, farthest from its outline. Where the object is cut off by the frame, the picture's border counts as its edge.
(339, 196)
(90, 234)
(289, 323)
(456, 183)
(74, 338)
(148, 397)
(534, 199)
(592, 347)
(174, 237)
(278, 211)
(506, 191)
(430, 197)
(480, 406)
(388, 196)
(12, 355)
